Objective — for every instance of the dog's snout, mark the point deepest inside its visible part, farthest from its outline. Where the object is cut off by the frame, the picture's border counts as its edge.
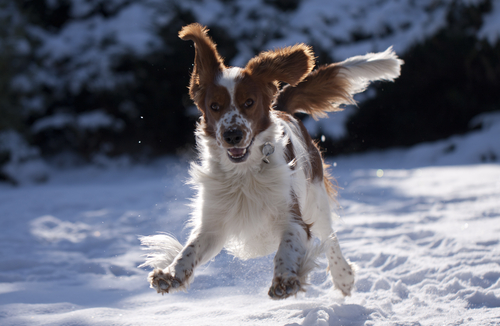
(233, 137)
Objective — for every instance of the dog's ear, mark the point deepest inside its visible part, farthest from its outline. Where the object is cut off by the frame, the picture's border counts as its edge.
(289, 65)
(207, 61)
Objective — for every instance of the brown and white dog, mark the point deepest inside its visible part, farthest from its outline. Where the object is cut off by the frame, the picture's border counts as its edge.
(261, 181)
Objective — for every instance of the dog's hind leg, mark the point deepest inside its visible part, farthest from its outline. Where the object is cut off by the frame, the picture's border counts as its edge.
(341, 270)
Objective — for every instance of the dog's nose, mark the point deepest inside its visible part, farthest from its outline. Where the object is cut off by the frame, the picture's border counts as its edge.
(233, 137)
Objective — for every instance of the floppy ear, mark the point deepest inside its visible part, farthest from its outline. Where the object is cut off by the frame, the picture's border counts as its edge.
(207, 61)
(289, 65)
(329, 86)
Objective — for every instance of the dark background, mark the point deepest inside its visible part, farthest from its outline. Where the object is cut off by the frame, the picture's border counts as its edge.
(448, 78)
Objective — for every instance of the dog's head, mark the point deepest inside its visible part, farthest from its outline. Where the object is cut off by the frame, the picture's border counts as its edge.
(235, 102)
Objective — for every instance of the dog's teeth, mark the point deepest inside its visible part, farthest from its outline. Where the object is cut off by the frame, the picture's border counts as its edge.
(237, 156)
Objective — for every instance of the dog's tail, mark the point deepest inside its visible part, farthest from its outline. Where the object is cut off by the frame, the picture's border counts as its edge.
(164, 249)
(329, 86)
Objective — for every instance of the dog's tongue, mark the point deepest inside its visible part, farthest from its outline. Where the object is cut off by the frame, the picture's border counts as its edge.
(237, 152)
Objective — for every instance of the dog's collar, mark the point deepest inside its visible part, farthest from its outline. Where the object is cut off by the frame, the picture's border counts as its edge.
(267, 150)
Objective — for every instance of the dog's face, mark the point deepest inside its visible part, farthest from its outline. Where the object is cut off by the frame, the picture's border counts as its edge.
(236, 109)
(235, 102)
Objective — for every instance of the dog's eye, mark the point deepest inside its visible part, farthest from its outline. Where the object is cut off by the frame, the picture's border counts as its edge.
(215, 106)
(248, 103)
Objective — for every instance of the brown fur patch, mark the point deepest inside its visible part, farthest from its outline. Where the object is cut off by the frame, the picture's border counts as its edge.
(214, 94)
(290, 154)
(249, 88)
(297, 217)
(208, 62)
(323, 90)
(330, 184)
(289, 150)
(289, 65)
(260, 82)
(319, 170)
(315, 158)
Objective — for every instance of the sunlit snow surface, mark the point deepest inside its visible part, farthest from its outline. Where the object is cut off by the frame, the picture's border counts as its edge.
(422, 224)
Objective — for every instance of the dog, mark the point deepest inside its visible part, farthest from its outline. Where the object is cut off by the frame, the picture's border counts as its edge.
(262, 184)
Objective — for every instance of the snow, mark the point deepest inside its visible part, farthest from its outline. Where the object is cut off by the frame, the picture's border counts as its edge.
(421, 223)
(98, 119)
(56, 121)
(83, 52)
(86, 121)
(333, 26)
(23, 163)
(491, 24)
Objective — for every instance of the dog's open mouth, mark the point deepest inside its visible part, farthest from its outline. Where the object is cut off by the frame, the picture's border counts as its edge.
(238, 155)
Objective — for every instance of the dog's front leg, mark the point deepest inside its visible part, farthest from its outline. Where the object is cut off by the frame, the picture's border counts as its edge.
(289, 263)
(200, 248)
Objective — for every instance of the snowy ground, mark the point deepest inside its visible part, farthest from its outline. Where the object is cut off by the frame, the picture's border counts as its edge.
(422, 224)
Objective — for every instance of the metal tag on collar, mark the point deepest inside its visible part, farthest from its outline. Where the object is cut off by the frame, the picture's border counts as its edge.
(267, 150)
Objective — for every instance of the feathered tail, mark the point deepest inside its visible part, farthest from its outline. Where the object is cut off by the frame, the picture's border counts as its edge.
(329, 86)
(164, 250)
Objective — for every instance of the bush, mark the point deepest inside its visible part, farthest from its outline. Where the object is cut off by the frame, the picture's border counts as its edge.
(20, 162)
(138, 89)
(445, 81)
(110, 77)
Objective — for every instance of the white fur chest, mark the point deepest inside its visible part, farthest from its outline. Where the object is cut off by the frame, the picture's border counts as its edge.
(250, 208)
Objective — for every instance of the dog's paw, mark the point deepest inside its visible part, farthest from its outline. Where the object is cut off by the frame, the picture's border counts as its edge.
(282, 288)
(344, 279)
(165, 282)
